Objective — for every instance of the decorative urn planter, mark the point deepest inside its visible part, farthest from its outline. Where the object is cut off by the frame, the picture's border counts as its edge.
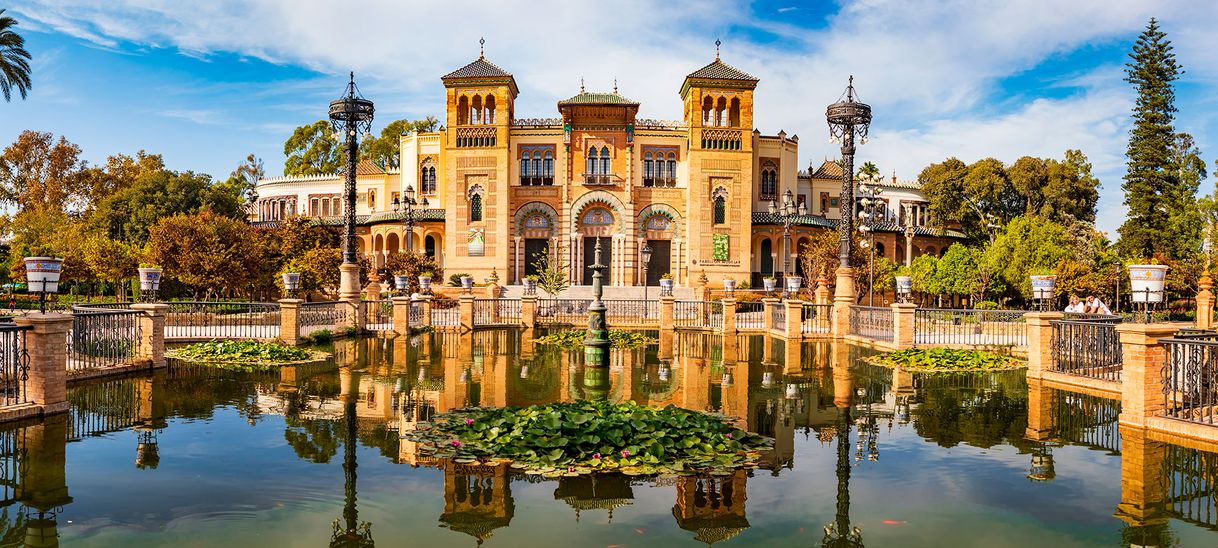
(150, 279)
(530, 286)
(424, 284)
(467, 282)
(729, 286)
(1042, 286)
(794, 283)
(904, 285)
(42, 274)
(769, 284)
(1147, 281)
(767, 379)
(291, 281)
(792, 391)
(401, 282)
(666, 286)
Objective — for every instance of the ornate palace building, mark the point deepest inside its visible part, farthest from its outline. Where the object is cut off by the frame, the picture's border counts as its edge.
(501, 189)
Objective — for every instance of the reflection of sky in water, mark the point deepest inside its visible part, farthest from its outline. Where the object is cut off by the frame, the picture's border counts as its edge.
(232, 470)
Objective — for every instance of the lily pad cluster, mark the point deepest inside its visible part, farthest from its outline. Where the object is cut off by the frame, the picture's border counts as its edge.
(572, 340)
(245, 353)
(586, 437)
(947, 359)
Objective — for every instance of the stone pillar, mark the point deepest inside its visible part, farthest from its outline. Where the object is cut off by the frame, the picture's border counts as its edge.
(47, 343)
(1040, 341)
(767, 313)
(426, 300)
(349, 293)
(794, 326)
(152, 332)
(729, 316)
(703, 292)
(666, 306)
(466, 310)
(843, 299)
(1205, 302)
(42, 481)
(401, 315)
(903, 325)
(821, 295)
(528, 311)
(1142, 370)
(289, 321)
(373, 291)
(492, 285)
(1040, 410)
(1143, 480)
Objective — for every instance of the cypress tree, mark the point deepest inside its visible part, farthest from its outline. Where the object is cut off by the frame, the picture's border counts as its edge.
(1152, 184)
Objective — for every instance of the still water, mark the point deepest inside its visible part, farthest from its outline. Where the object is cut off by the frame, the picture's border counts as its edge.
(312, 455)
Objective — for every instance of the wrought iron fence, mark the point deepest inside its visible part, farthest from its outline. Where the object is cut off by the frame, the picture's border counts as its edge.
(14, 364)
(1086, 420)
(103, 338)
(496, 312)
(816, 318)
(778, 315)
(445, 312)
(99, 408)
(563, 311)
(13, 464)
(416, 313)
(200, 320)
(701, 314)
(945, 326)
(322, 316)
(750, 315)
(378, 315)
(1190, 378)
(632, 311)
(873, 322)
(1192, 494)
(1087, 347)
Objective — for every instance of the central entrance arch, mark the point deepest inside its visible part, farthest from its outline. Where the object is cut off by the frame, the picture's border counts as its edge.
(597, 224)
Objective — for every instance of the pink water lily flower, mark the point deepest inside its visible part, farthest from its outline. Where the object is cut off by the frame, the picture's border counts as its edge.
(625, 453)
(469, 422)
(456, 443)
(728, 435)
(596, 456)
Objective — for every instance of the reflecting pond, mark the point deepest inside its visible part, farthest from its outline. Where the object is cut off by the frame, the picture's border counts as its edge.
(313, 455)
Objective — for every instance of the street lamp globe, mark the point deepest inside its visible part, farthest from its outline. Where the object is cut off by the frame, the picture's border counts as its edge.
(350, 115)
(397, 204)
(410, 193)
(773, 206)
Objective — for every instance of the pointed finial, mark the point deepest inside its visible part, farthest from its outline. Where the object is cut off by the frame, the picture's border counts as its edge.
(581, 84)
(615, 86)
(717, 44)
(482, 48)
(353, 77)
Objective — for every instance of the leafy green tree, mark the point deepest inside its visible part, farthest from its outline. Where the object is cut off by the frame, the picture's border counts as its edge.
(411, 265)
(38, 172)
(313, 150)
(959, 272)
(128, 214)
(1155, 192)
(110, 259)
(318, 269)
(924, 269)
(1025, 245)
(868, 171)
(212, 253)
(119, 173)
(244, 179)
(989, 189)
(384, 149)
(553, 270)
(14, 60)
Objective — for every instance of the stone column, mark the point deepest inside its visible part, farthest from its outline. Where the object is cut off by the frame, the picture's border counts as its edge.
(289, 321)
(528, 311)
(349, 293)
(426, 300)
(1143, 481)
(843, 299)
(466, 310)
(47, 343)
(1040, 410)
(729, 315)
(401, 315)
(42, 482)
(795, 322)
(152, 332)
(666, 310)
(821, 295)
(1142, 370)
(1040, 342)
(1205, 302)
(767, 313)
(703, 289)
(492, 285)
(903, 325)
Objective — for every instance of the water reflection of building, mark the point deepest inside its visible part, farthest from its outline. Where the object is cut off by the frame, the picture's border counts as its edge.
(477, 499)
(712, 507)
(603, 492)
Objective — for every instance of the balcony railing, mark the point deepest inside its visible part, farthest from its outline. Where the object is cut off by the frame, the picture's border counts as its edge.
(660, 182)
(601, 179)
(547, 180)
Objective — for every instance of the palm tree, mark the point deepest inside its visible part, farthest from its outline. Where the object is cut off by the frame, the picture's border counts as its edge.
(14, 60)
(868, 171)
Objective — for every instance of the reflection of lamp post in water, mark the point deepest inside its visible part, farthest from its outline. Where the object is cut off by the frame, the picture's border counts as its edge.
(840, 533)
(596, 342)
(349, 531)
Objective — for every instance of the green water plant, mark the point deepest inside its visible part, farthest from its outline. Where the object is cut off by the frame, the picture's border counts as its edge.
(572, 340)
(946, 359)
(585, 437)
(244, 353)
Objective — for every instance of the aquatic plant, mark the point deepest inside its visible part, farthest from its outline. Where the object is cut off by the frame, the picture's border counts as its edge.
(946, 359)
(584, 437)
(244, 353)
(575, 339)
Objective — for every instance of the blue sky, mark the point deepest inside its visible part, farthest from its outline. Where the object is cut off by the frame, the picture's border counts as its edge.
(206, 84)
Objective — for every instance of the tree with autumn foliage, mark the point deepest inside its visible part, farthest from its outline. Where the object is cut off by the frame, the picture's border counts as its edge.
(213, 254)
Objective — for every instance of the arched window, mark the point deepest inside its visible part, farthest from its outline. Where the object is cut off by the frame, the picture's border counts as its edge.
(592, 164)
(524, 169)
(372, 199)
(431, 181)
(734, 113)
(672, 166)
(536, 163)
(720, 210)
(605, 161)
(490, 110)
(429, 246)
(648, 174)
(475, 110)
(475, 208)
(708, 105)
(463, 110)
(720, 112)
(549, 168)
(769, 182)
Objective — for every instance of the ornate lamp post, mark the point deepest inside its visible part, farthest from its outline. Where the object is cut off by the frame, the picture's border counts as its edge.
(870, 203)
(596, 342)
(847, 118)
(350, 115)
(410, 204)
(786, 213)
(646, 256)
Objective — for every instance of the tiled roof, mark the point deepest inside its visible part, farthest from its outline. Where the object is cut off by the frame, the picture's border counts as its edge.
(767, 218)
(480, 68)
(718, 70)
(921, 230)
(419, 215)
(368, 167)
(828, 170)
(586, 98)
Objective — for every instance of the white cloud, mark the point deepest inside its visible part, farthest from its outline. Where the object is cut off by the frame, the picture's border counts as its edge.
(932, 70)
